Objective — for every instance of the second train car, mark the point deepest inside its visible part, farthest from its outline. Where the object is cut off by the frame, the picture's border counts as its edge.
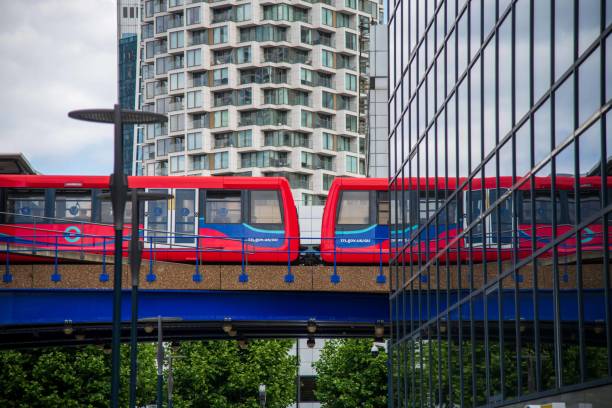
(356, 219)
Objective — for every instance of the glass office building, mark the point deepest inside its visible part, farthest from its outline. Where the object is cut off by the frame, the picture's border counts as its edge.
(500, 175)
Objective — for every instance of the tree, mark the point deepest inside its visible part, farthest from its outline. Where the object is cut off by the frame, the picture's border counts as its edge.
(70, 377)
(218, 374)
(349, 376)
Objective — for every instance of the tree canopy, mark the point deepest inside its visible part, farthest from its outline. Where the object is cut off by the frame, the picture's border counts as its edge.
(219, 374)
(350, 376)
(206, 373)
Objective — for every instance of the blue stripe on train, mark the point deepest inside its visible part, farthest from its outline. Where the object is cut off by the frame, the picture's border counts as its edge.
(252, 235)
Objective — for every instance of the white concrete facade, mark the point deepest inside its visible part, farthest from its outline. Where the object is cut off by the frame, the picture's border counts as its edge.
(257, 88)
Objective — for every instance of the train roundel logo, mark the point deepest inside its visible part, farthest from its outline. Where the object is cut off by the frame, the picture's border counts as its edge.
(185, 212)
(72, 234)
(74, 210)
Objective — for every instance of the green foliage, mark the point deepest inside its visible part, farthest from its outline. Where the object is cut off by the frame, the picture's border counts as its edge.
(211, 374)
(349, 376)
(67, 377)
(219, 374)
(436, 372)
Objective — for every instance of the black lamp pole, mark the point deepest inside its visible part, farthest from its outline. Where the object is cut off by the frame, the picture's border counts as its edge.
(118, 195)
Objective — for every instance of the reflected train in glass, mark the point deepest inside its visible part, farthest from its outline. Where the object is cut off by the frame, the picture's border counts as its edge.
(356, 218)
(210, 219)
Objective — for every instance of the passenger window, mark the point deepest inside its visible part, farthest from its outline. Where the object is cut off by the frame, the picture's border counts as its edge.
(383, 208)
(589, 205)
(354, 208)
(543, 208)
(73, 205)
(265, 207)
(106, 211)
(26, 205)
(223, 207)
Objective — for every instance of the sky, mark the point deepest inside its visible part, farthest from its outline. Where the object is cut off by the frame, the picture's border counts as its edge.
(58, 56)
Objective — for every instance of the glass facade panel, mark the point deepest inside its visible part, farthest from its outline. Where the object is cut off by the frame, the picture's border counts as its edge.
(499, 155)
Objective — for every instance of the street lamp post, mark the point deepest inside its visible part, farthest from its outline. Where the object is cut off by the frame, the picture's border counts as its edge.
(118, 189)
(160, 353)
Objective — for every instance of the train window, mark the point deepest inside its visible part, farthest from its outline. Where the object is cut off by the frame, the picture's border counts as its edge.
(24, 205)
(265, 207)
(73, 205)
(184, 220)
(383, 208)
(354, 208)
(589, 205)
(223, 207)
(543, 208)
(106, 212)
(434, 203)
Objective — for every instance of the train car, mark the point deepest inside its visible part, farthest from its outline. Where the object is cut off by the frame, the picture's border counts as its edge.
(355, 219)
(209, 219)
(355, 224)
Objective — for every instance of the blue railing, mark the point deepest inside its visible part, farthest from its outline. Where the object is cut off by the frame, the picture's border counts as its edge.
(37, 239)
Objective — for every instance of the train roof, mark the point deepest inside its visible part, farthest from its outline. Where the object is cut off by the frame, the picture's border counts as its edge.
(73, 181)
(382, 184)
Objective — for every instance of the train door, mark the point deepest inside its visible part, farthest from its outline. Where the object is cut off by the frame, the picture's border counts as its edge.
(157, 224)
(184, 216)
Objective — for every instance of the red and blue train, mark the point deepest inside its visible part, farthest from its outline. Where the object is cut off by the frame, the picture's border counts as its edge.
(209, 219)
(355, 227)
(250, 219)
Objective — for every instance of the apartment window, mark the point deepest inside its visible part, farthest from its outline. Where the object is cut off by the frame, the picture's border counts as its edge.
(194, 57)
(220, 35)
(306, 76)
(350, 82)
(245, 138)
(220, 119)
(243, 55)
(327, 100)
(344, 144)
(199, 162)
(177, 81)
(221, 160)
(350, 4)
(328, 141)
(306, 119)
(177, 122)
(194, 141)
(352, 164)
(327, 17)
(177, 164)
(351, 123)
(177, 39)
(327, 58)
(343, 20)
(220, 77)
(327, 181)
(351, 41)
(194, 99)
(192, 15)
(243, 12)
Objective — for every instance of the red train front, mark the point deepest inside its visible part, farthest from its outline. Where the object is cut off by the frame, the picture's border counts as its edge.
(210, 219)
(432, 214)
